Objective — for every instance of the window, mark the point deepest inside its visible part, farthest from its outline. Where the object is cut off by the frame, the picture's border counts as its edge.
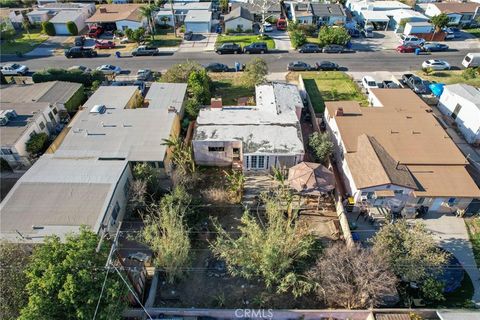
(261, 162)
(248, 161)
(254, 162)
(421, 200)
(41, 125)
(6, 151)
(124, 28)
(115, 212)
(55, 111)
(398, 192)
(50, 115)
(33, 133)
(216, 149)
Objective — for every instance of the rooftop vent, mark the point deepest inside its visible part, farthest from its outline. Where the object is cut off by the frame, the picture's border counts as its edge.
(98, 108)
(172, 109)
(339, 112)
(102, 10)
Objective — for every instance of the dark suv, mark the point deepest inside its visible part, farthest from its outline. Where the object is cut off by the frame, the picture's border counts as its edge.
(80, 52)
(228, 48)
(256, 47)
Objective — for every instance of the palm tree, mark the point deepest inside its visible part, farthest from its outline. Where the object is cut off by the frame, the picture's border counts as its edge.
(147, 12)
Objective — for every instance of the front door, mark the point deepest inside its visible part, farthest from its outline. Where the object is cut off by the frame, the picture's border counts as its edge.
(256, 162)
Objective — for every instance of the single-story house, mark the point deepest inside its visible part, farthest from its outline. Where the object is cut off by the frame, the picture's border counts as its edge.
(61, 19)
(378, 18)
(397, 16)
(253, 138)
(274, 11)
(38, 16)
(13, 17)
(417, 28)
(198, 21)
(239, 18)
(461, 102)
(118, 17)
(398, 155)
(302, 12)
(87, 9)
(356, 6)
(181, 9)
(460, 13)
(328, 13)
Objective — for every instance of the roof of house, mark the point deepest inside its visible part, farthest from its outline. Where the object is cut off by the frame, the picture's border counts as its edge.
(57, 196)
(116, 12)
(465, 91)
(165, 95)
(112, 97)
(69, 5)
(400, 14)
(52, 92)
(37, 12)
(65, 16)
(327, 9)
(239, 12)
(457, 7)
(185, 6)
(274, 8)
(198, 16)
(375, 15)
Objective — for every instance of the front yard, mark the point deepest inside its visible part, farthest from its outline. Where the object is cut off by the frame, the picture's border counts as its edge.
(329, 86)
(245, 40)
(165, 38)
(23, 43)
(229, 87)
(475, 32)
(473, 227)
(450, 77)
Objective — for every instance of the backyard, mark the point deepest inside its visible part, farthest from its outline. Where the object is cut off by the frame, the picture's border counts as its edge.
(245, 40)
(329, 86)
(229, 87)
(450, 77)
(23, 42)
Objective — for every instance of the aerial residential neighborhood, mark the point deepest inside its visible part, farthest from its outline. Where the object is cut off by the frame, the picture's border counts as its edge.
(240, 159)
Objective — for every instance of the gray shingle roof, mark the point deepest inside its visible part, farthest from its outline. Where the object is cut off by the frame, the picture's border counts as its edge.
(239, 12)
(327, 10)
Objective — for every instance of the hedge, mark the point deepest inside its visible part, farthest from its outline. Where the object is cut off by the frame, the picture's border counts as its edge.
(76, 100)
(48, 28)
(85, 78)
(72, 28)
(37, 143)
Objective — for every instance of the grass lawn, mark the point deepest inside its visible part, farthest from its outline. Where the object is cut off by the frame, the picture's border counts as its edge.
(450, 77)
(23, 43)
(313, 40)
(473, 226)
(329, 86)
(165, 38)
(244, 40)
(228, 86)
(475, 32)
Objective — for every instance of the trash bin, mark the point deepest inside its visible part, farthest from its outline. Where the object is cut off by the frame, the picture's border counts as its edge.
(118, 54)
(237, 66)
(417, 51)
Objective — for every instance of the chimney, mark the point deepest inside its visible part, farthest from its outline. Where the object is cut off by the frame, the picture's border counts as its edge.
(172, 109)
(339, 112)
(216, 103)
(102, 10)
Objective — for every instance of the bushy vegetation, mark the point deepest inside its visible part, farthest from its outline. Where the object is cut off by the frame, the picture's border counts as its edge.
(297, 38)
(86, 78)
(48, 28)
(330, 35)
(37, 144)
(255, 72)
(321, 145)
(72, 28)
(470, 73)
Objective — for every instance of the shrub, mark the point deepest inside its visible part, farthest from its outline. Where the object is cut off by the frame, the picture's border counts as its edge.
(308, 29)
(239, 29)
(297, 38)
(182, 28)
(469, 73)
(76, 100)
(230, 30)
(48, 28)
(292, 26)
(72, 28)
(8, 34)
(330, 35)
(192, 108)
(70, 76)
(255, 72)
(199, 84)
(37, 143)
(4, 166)
(321, 145)
(96, 84)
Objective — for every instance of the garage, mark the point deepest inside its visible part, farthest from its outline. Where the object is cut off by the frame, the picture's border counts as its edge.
(198, 21)
(60, 21)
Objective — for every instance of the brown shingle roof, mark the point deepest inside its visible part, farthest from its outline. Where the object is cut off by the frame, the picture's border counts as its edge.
(116, 12)
(457, 7)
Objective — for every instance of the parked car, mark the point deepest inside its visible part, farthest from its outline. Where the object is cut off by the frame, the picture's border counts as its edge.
(104, 44)
(389, 84)
(145, 51)
(451, 33)
(229, 47)
(367, 32)
(299, 66)
(95, 31)
(80, 68)
(406, 48)
(354, 33)
(415, 83)
(80, 52)
(256, 47)
(436, 64)
(326, 66)
(369, 83)
(310, 48)
(267, 27)
(188, 35)
(410, 40)
(282, 24)
(79, 41)
(217, 67)
(14, 69)
(109, 69)
(144, 74)
(333, 48)
(471, 60)
(434, 47)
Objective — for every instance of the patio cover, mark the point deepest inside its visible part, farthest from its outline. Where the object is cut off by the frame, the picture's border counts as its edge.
(375, 16)
(311, 178)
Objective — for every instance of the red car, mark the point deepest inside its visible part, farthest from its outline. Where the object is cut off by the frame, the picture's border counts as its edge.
(104, 44)
(406, 48)
(95, 31)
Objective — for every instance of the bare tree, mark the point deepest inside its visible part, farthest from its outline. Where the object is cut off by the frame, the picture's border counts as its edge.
(352, 278)
(263, 6)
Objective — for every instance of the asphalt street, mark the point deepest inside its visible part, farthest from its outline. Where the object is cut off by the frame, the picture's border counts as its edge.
(387, 60)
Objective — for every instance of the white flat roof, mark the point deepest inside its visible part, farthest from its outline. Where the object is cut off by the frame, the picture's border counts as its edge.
(375, 16)
(405, 14)
(65, 16)
(164, 95)
(111, 96)
(198, 16)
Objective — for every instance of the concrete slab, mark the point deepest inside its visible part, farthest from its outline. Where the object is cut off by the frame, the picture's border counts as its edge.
(199, 43)
(282, 40)
(382, 40)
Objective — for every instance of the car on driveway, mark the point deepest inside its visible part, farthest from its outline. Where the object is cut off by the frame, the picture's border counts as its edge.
(310, 48)
(436, 64)
(109, 69)
(256, 47)
(369, 83)
(188, 35)
(267, 27)
(104, 44)
(80, 52)
(434, 47)
(79, 41)
(326, 66)
(299, 66)
(333, 48)
(415, 83)
(410, 40)
(80, 68)
(228, 47)
(354, 33)
(14, 69)
(217, 67)
(144, 74)
(406, 48)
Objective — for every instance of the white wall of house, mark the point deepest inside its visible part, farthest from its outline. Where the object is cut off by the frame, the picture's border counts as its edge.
(240, 21)
(38, 17)
(129, 24)
(198, 27)
(264, 162)
(61, 28)
(465, 113)
(215, 153)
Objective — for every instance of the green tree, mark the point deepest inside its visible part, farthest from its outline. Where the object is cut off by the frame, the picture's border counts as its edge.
(145, 172)
(321, 145)
(37, 143)
(166, 233)
(432, 290)
(440, 21)
(224, 5)
(72, 28)
(410, 250)
(199, 84)
(14, 258)
(271, 248)
(48, 28)
(297, 38)
(65, 279)
(182, 158)
(148, 12)
(192, 108)
(179, 73)
(330, 35)
(136, 35)
(255, 72)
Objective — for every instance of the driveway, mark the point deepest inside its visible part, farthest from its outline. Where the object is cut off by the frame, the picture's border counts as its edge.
(48, 47)
(452, 236)
(199, 43)
(382, 40)
(282, 40)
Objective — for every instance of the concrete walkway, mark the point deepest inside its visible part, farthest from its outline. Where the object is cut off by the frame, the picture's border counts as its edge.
(282, 40)
(199, 43)
(452, 236)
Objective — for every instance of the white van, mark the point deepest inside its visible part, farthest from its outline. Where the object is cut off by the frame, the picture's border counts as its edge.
(471, 60)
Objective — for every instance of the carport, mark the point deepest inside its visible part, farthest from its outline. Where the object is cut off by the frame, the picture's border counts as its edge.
(379, 19)
(198, 21)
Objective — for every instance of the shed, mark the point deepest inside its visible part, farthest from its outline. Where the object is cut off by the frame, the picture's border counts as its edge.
(198, 21)
(417, 27)
(61, 19)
